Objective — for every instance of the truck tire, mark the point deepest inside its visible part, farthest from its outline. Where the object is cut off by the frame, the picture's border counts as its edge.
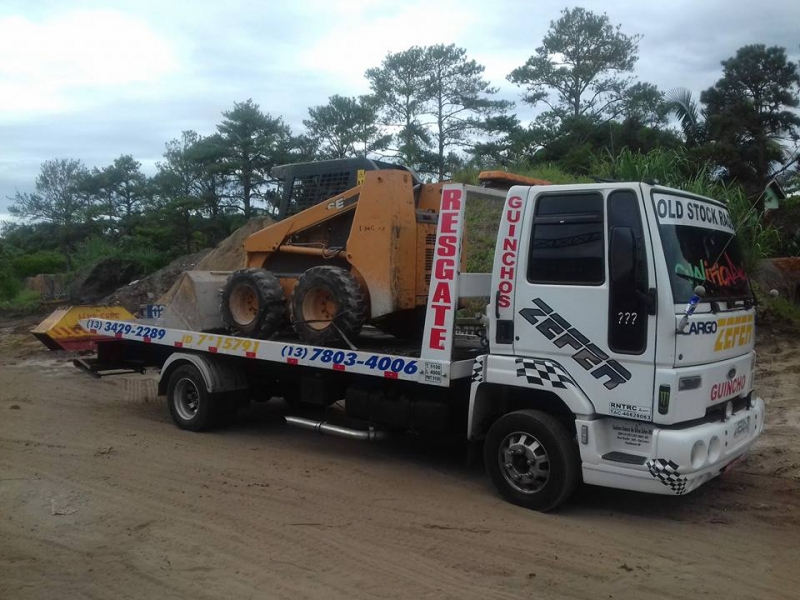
(324, 296)
(253, 303)
(532, 459)
(191, 405)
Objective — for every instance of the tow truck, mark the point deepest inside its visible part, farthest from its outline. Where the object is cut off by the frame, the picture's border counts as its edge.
(618, 348)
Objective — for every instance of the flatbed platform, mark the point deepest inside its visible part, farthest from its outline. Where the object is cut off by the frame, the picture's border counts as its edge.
(377, 354)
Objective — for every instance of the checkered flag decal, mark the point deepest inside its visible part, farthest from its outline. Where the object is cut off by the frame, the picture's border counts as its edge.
(543, 373)
(667, 472)
(477, 370)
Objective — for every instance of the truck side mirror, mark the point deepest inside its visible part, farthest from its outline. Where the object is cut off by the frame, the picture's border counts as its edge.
(622, 256)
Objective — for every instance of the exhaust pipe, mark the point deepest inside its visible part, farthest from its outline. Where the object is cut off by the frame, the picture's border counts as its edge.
(322, 427)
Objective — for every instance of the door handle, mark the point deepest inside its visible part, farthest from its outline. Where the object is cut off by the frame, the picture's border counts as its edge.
(649, 300)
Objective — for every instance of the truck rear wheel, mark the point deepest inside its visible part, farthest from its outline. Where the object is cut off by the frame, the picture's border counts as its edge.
(532, 459)
(191, 405)
(253, 303)
(327, 301)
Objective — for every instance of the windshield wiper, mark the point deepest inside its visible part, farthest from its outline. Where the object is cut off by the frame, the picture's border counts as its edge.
(731, 301)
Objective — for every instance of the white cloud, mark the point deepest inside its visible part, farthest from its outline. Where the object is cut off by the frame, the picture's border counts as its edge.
(368, 33)
(60, 63)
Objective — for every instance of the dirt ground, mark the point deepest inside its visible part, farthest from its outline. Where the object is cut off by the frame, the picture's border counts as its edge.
(102, 497)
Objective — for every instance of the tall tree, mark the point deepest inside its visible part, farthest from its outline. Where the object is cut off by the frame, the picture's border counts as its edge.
(750, 113)
(346, 127)
(59, 200)
(645, 105)
(120, 191)
(460, 101)
(254, 142)
(401, 90)
(578, 70)
(507, 143)
(189, 190)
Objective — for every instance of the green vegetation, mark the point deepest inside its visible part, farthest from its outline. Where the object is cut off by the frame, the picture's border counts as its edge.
(777, 311)
(10, 285)
(23, 301)
(135, 250)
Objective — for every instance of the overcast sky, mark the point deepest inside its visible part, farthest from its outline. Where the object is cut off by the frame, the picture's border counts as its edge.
(93, 79)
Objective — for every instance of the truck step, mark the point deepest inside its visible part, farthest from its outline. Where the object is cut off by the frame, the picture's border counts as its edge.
(624, 457)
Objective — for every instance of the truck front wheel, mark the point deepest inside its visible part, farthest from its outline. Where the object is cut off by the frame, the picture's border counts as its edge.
(532, 459)
(191, 405)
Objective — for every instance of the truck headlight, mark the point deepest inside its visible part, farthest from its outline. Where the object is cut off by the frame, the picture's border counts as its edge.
(728, 410)
(690, 383)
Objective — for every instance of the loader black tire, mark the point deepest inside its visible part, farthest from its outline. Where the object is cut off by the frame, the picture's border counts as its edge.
(253, 304)
(324, 296)
(532, 459)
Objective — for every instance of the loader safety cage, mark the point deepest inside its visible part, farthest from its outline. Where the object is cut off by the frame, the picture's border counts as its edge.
(432, 363)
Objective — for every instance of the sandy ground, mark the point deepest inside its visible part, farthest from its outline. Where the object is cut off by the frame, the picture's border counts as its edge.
(102, 497)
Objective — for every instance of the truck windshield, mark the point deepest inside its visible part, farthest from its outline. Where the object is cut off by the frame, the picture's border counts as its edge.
(700, 249)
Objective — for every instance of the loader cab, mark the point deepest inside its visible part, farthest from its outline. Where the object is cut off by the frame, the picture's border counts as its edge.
(303, 185)
(594, 279)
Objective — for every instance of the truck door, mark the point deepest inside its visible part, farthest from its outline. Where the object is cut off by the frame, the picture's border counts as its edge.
(585, 297)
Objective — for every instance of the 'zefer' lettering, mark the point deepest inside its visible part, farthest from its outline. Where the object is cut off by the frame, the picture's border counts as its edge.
(589, 356)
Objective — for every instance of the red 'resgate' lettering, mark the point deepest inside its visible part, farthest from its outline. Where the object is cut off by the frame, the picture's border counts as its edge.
(451, 200)
(442, 293)
(436, 341)
(449, 222)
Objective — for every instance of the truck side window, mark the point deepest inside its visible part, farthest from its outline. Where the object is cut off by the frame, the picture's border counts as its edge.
(627, 319)
(567, 240)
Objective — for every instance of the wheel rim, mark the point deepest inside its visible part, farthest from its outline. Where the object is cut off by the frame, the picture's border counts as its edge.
(243, 304)
(319, 308)
(524, 462)
(187, 399)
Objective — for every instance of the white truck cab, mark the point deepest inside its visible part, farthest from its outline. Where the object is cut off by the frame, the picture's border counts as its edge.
(589, 287)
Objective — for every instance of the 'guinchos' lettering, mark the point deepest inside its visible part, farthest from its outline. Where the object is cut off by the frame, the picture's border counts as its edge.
(508, 256)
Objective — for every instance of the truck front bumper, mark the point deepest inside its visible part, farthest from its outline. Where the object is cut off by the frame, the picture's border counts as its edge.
(676, 460)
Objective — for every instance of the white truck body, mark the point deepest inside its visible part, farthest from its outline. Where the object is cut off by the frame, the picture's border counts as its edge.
(584, 302)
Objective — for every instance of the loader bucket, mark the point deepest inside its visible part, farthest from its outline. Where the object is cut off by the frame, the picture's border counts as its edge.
(61, 330)
(193, 301)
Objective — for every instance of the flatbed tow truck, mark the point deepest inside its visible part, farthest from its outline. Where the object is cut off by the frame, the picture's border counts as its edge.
(618, 348)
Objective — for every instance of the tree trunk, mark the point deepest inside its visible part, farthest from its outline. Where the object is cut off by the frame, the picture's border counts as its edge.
(246, 191)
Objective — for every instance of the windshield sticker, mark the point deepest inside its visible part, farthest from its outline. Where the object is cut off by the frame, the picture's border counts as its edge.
(722, 273)
(683, 211)
(559, 331)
